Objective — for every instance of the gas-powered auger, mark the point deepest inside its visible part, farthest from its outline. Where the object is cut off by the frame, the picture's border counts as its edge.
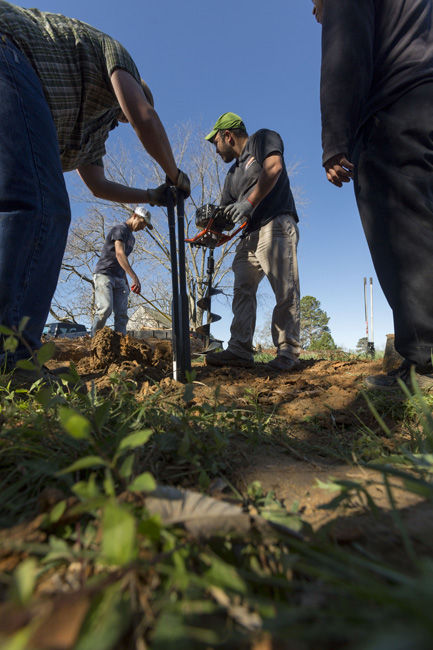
(210, 218)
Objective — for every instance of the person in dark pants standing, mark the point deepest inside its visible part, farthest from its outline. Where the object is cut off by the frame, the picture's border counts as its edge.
(377, 123)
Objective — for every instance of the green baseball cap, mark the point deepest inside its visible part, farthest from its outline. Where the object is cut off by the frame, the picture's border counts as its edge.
(226, 121)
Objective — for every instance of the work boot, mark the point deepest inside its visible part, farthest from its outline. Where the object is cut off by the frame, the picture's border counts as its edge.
(390, 381)
(227, 358)
(282, 363)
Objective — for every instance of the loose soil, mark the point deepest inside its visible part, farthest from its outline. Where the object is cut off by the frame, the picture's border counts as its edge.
(322, 406)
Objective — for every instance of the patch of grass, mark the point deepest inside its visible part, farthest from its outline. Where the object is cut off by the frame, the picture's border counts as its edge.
(263, 357)
(87, 464)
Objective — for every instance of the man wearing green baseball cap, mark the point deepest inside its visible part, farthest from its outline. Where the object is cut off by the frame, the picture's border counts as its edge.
(226, 121)
(257, 191)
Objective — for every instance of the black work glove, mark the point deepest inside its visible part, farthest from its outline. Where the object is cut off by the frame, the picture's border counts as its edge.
(158, 196)
(182, 183)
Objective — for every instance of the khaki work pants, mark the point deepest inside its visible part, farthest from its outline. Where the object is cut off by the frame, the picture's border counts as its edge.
(270, 251)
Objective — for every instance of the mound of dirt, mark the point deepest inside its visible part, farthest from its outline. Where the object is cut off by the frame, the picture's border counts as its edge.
(325, 390)
(108, 352)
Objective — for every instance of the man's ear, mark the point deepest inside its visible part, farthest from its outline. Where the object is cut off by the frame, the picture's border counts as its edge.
(230, 138)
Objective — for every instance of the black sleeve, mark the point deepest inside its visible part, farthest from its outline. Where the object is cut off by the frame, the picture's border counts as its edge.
(264, 143)
(347, 69)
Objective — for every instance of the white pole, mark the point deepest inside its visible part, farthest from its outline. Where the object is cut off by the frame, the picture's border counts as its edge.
(371, 307)
(365, 307)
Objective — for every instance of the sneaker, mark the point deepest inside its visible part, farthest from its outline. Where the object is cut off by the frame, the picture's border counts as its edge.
(227, 358)
(282, 363)
(390, 381)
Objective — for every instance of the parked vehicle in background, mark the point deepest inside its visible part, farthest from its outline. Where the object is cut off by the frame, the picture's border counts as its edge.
(64, 330)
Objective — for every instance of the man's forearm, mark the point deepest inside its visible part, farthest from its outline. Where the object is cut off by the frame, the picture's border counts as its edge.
(153, 137)
(123, 261)
(94, 177)
(145, 121)
(267, 180)
(110, 191)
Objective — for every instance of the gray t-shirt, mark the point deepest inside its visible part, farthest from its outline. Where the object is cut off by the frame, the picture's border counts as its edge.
(108, 264)
(245, 172)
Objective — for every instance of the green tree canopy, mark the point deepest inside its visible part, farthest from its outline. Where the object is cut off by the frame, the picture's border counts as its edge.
(314, 324)
(326, 342)
(361, 346)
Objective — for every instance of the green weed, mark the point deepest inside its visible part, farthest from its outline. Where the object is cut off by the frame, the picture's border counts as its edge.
(76, 474)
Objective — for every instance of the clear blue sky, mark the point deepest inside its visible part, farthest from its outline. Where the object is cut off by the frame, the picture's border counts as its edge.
(262, 61)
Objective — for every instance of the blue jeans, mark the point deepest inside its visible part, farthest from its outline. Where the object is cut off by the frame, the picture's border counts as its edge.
(111, 294)
(34, 205)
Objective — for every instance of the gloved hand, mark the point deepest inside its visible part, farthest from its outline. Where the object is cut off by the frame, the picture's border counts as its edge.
(238, 211)
(158, 196)
(182, 183)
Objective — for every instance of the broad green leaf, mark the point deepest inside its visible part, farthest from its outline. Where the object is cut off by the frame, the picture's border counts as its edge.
(75, 424)
(143, 483)
(57, 511)
(285, 519)
(107, 620)
(188, 393)
(26, 364)
(10, 344)
(25, 580)
(46, 352)
(44, 397)
(88, 505)
(329, 485)
(151, 527)
(191, 376)
(224, 575)
(59, 551)
(6, 330)
(83, 463)
(127, 466)
(87, 489)
(23, 324)
(109, 487)
(119, 542)
(134, 440)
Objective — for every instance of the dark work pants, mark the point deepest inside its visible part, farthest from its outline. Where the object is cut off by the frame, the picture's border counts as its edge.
(393, 157)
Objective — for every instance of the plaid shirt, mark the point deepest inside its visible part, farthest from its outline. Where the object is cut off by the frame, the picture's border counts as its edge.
(74, 63)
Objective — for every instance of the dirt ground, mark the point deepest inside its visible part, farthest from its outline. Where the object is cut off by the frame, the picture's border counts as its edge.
(320, 402)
